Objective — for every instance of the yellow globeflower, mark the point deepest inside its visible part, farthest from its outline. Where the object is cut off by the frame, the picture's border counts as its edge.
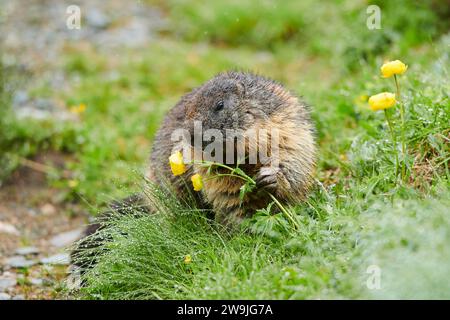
(197, 182)
(393, 67)
(382, 101)
(177, 164)
(79, 108)
(73, 183)
(188, 259)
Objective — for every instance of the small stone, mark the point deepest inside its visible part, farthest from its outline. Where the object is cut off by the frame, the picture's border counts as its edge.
(66, 238)
(6, 283)
(27, 251)
(4, 296)
(8, 274)
(20, 98)
(19, 297)
(60, 258)
(32, 212)
(36, 281)
(73, 282)
(19, 262)
(43, 104)
(8, 228)
(48, 209)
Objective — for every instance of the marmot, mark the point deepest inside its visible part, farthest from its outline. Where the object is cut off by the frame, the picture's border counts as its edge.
(232, 102)
(241, 102)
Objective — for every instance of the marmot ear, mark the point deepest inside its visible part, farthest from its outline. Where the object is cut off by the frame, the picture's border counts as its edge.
(191, 103)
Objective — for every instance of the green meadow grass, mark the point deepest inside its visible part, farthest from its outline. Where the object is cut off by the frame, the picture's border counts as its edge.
(363, 216)
(359, 214)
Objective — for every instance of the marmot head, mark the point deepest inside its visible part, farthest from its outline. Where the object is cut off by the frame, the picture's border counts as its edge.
(234, 101)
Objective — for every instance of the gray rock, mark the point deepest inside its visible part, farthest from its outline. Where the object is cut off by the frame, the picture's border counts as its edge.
(6, 283)
(8, 228)
(19, 297)
(19, 262)
(44, 104)
(36, 281)
(41, 109)
(27, 250)
(48, 209)
(60, 258)
(97, 19)
(4, 296)
(66, 238)
(30, 112)
(20, 98)
(73, 282)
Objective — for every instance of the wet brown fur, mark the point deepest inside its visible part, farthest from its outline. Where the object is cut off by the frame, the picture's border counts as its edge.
(284, 112)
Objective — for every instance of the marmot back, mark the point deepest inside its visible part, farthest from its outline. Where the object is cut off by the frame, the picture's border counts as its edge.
(233, 105)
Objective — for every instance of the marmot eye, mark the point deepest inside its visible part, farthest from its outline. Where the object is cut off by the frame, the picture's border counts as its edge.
(219, 106)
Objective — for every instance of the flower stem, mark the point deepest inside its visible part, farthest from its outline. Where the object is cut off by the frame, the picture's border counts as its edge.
(218, 175)
(398, 86)
(286, 212)
(402, 116)
(240, 175)
(394, 140)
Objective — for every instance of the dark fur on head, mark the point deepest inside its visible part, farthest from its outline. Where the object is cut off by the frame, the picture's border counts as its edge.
(234, 100)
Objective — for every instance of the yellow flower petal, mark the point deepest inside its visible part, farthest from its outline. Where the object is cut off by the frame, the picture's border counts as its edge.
(382, 101)
(177, 164)
(188, 259)
(197, 182)
(79, 108)
(390, 68)
(73, 183)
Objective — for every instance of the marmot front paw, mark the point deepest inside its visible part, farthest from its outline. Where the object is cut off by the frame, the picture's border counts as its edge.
(267, 178)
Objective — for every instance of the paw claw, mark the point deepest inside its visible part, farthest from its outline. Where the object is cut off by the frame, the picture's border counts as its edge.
(267, 178)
